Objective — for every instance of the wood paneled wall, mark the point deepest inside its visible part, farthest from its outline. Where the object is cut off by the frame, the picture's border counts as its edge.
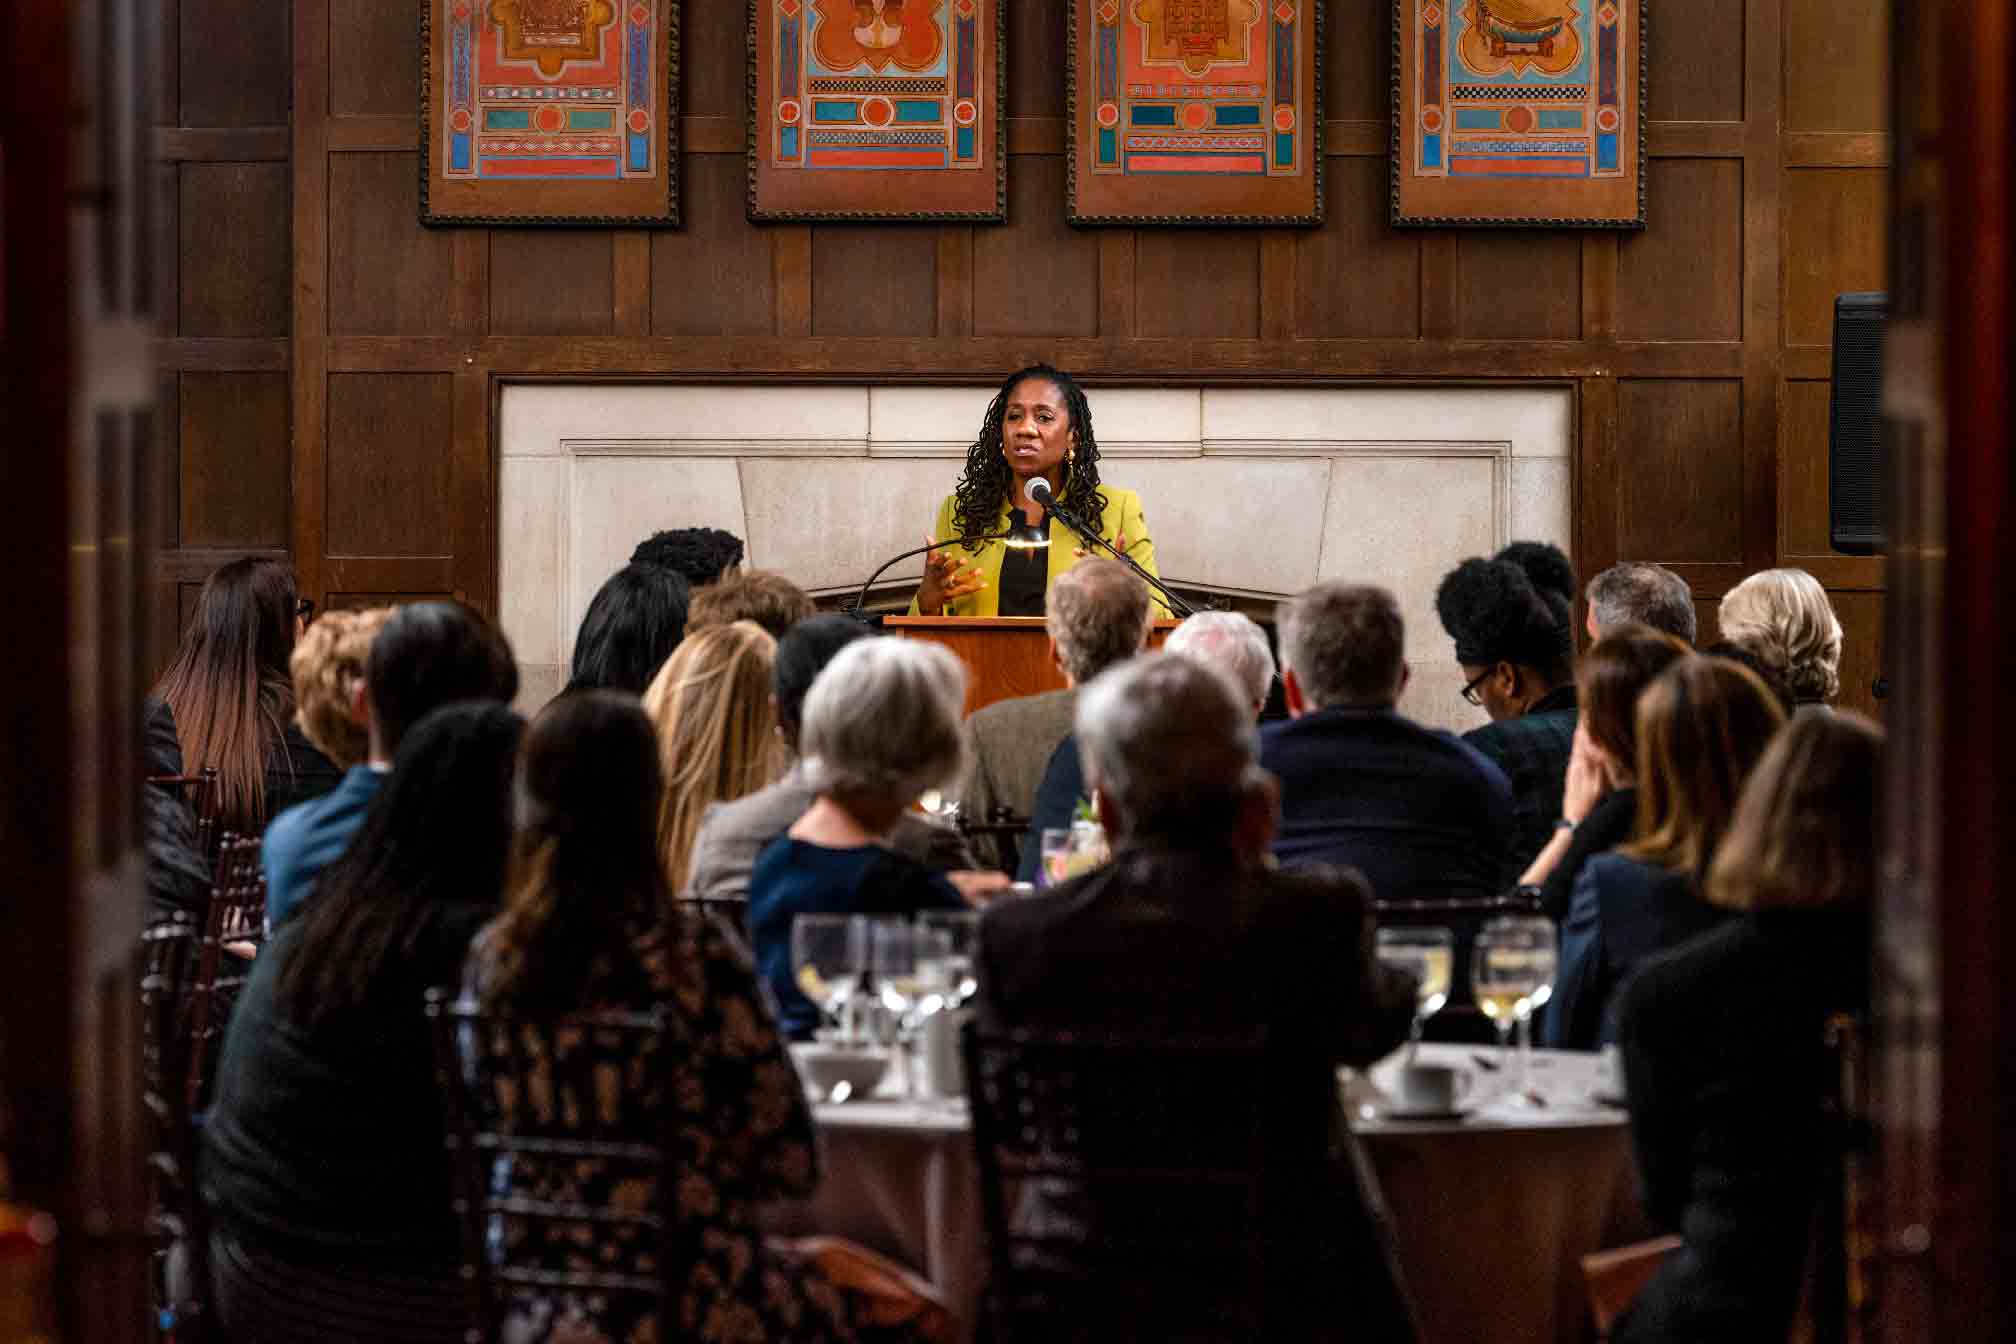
(337, 379)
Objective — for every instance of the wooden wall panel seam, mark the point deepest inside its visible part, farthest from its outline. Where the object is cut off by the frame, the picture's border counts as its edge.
(1764, 275)
(791, 266)
(311, 286)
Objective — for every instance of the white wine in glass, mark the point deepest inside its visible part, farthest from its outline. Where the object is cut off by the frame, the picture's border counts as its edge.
(829, 954)
(1429, 955)
(1511, 973)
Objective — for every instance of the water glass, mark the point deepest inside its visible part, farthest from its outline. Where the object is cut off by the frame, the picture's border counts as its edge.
(829, 954)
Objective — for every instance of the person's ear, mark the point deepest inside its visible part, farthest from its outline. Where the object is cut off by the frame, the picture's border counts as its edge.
(1406, 675)
(1056, 654)
(1291, 691)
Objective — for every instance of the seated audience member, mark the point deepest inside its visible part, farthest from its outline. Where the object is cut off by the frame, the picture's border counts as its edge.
(881, 726)
(589, 925)
(732, 834)
(1722, 1039)
(1512, 620)
(1702, 725)
(760, 595)
(328, 669)
(177, 876)
(424, 656)
(1098, 615)
(1640, 593)
(717, 731)
(1190, 930)
(1783, 616)
(1233, 644)
(1600, 802)
(323, 1163)
(226, 699)
(637, 618)
(699, 555)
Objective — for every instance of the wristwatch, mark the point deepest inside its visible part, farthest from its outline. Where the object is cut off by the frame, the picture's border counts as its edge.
(1564, 824)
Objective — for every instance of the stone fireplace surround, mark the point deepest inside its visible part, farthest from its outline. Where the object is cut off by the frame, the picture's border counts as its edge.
(1253, 492)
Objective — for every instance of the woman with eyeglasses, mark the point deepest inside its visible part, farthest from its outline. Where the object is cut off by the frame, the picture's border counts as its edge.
(227, 699)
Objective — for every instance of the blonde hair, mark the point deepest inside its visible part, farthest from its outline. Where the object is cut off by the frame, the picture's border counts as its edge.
(327, 665)
(1702, 725)
(1807, 827)
(717, 730)
(1783, 616)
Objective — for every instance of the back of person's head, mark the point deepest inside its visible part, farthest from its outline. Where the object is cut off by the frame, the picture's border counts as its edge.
(638, 616)
(1646, 594)
(760, 595)
(1516, 607)
(1769, 675)
(1231, 642)
(1098, 614)
(328, 667)
(699, 555)
(228, 685)
(430, 654)
(882, 722)
(435, 839)
(1610, 678)
(586, 877)
(802, 654)
(1169, 746)
(1808, 824)
(717, 730)
(1784, 617)
(1345, 643)
(1702, 724)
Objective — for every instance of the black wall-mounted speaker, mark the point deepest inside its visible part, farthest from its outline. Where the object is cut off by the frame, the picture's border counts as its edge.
(1854, 442)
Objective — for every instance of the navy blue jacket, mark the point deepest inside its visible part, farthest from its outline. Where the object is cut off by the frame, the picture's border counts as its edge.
(1624, 910)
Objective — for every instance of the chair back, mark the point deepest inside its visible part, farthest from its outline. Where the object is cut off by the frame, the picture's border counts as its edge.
(1121, 1183)
(237, 916)
(558, 1095)
(1845, 1230)
(1003, 830)
(731, 911)
(169, 949)
(202, 794)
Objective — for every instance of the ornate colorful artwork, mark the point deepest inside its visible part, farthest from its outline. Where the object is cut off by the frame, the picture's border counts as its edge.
(877, 109)
(549, 112)
(1519, 112)
(1196, 112)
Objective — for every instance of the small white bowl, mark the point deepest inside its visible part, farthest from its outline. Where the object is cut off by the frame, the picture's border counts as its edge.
(827, 1068)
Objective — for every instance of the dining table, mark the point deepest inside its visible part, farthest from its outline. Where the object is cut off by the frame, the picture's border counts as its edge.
(1493, 1204)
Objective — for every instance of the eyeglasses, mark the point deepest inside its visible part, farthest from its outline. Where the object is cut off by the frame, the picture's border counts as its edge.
(1470, 687)
(304, 607)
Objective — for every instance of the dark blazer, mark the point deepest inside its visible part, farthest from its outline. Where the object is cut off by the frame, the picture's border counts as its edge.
(1420, 814)
(1607, 826)
(1057, 799)
(1623, 911)
(1191, 942)
(1533, 752)
(1723, 1061)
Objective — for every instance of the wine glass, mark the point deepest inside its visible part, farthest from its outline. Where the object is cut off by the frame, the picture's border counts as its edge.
(829, 954)
(1429, 955)
(901, 983)
(955, 944)
(1511, 974)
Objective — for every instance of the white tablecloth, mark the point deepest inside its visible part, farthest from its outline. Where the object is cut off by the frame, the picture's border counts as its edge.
(1493, 1210)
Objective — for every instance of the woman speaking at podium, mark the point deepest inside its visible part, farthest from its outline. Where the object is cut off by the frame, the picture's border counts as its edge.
(1038, 427)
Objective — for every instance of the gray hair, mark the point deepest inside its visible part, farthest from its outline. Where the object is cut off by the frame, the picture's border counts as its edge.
(1231, 642)
(1169, 743)
(882, 721)
(1783, 616)
(1345, 643)
(1646, 593)
(1098, 614)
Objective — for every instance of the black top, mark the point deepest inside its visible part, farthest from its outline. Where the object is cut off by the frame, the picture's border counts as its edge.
(1724, 1062)
(296, 769)
(1607, 826)
(1533, 752)
(1057, 799)
(324, 1143)
(1025, 578)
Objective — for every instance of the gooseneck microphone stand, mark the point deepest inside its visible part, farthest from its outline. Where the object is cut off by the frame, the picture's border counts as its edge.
(862, 597)
(1055, 509)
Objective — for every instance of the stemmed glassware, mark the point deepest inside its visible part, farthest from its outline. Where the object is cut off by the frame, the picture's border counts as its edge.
(829, 954)
(1511, 974)
(951, 941)
(1429, 955)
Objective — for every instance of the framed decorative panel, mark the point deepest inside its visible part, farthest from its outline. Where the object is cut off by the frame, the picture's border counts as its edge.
(556, 112)
(1519, 113)
(877, 110)
(1195, 112)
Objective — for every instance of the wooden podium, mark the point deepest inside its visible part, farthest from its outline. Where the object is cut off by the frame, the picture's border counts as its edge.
(1006, 656)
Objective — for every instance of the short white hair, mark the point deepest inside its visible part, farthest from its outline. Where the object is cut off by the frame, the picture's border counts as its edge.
(1783, 616)
(1231, 642)
(882, 720)
(1168, 741)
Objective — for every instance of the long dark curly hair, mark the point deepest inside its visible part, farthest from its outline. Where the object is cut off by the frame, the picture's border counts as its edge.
(988, 484)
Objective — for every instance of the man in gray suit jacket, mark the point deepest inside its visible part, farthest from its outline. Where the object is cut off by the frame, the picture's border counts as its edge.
(1098, 616)
(732, 834)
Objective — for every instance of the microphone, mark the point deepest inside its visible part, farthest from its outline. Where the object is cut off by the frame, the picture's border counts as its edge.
(1039, 490)
(1041, 493)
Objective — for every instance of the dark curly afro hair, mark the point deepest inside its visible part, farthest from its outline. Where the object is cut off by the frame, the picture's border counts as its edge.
(700, 555)
(1517, 607)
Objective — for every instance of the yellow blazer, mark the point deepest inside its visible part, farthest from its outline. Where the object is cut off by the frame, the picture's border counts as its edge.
(1123, 517)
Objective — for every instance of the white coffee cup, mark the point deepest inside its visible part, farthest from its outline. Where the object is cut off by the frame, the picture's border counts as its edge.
(944, 1071)
(1429, 1088)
